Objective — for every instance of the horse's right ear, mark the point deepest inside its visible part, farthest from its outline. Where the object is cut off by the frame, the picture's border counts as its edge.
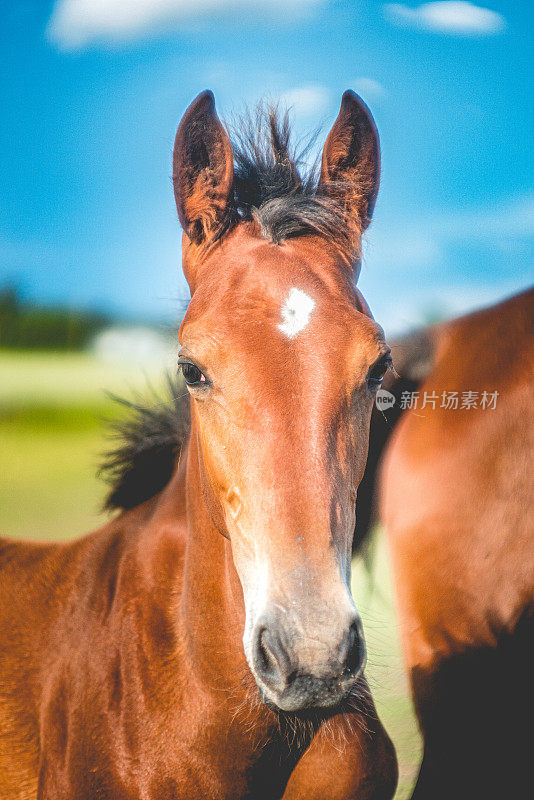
(203, 171)
(350, 167)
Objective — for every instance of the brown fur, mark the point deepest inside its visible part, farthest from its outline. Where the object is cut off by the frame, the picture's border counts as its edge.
(122, 666)
(458, 508)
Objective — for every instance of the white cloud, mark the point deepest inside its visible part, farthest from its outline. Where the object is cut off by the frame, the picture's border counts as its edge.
(413, 306)
(448, 16)
(422, 244)
(415, 261)
(513, 217)
(368, 88)
(310, 100)
(407, 246)
(75, 23)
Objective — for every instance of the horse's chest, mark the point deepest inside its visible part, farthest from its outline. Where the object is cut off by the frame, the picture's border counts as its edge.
(224, 767)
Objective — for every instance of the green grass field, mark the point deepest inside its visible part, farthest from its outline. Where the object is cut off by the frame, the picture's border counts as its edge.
(52, 432)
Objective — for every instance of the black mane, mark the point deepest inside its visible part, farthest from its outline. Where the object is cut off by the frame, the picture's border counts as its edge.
(149, 442)
(272, 186)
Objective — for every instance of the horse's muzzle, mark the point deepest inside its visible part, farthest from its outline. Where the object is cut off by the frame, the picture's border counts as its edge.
(293, 679)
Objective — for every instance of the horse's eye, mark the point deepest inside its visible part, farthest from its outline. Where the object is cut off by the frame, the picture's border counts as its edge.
(375, 376)
(192, 375)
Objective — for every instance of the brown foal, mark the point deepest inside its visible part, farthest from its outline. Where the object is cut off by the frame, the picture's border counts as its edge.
(204, 643)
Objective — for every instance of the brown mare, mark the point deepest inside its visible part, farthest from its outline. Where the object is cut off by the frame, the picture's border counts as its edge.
(458, 506)
(204, 643)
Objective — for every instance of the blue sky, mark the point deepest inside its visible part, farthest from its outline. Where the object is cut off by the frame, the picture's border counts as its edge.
(93, 90)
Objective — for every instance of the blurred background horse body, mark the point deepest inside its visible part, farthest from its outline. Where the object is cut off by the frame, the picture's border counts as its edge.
(457, 503)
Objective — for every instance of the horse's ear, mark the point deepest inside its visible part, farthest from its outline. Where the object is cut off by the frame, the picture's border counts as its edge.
(350, 166)
(203, 171)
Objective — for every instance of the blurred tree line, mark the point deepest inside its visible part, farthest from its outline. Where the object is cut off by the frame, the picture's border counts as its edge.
(24, 325)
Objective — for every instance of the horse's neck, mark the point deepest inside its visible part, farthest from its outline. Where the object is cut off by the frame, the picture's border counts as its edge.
(212, 599)
(192, 584)
(189, 564)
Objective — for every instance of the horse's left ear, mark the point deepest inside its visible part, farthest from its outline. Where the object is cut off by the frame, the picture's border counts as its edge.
(350, 166)
(203, 171)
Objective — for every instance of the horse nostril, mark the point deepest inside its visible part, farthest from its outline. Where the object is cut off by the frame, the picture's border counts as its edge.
(270, 658)
(355, 658)
(262, 653)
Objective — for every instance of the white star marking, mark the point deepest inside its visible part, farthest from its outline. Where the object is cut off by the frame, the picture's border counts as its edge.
(296, 312)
